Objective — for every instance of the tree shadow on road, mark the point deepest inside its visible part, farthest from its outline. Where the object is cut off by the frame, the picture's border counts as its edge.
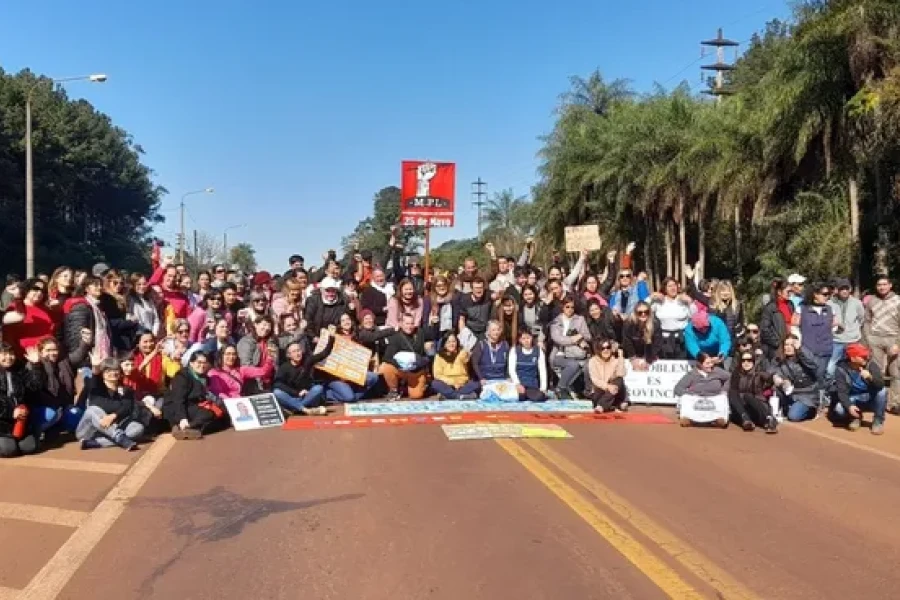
(217, 515)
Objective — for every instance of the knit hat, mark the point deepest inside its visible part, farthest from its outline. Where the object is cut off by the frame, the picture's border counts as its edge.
(857, 350)
(700, 320)
(365, 313)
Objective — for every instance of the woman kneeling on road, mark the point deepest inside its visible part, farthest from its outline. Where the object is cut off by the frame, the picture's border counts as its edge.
(189, 406)
(702, 393)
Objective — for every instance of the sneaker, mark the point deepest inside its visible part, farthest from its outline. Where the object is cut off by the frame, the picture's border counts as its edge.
(854, 425)
(186, 434)
(877, 427)
(771, 424)
(624, 406)
(392, 396)
(748, 425)
(90, 444)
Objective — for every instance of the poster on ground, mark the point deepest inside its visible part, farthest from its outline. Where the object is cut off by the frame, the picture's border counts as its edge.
(427, 193)
(485, 431)
(254, 412)
(348, 360)
(656, 385)
(583, 237)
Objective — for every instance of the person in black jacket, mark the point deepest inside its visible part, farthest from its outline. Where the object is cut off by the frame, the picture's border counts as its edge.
(406, 360)
(81, 318)
(113, 304)
(747, 395)
(189, 406)
(112, 417)
(799, 373)
(294, 387)
(859, 385)
(600, 321)
(13, 386)
(641, 337)
(53, 397)
(773, 324)
(324, 307)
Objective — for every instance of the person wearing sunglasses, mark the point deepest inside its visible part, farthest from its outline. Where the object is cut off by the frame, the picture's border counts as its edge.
(628, 291)
(571, 340)
(776, 318)
(702, 393)
(641, 337)
(606, 370)
(747, 395)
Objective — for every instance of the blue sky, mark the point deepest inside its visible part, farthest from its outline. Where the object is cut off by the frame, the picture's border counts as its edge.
(298, 112)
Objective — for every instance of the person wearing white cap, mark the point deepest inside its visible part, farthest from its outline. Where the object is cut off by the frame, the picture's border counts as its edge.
(797, 281)
(325, 307)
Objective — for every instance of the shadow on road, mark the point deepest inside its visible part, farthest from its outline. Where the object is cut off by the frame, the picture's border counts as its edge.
(217, 515)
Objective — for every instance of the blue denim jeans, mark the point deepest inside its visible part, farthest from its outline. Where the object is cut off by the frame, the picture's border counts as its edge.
(798, 411)
(342, 391)
(312, 398)
(46, 417)
(876, 402)
(837, 353)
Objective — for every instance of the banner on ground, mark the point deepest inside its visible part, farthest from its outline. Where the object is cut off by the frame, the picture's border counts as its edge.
(484, 431)
(656, 385)
(348, 360)
(427, 191)
(254, 412)
(583, 237)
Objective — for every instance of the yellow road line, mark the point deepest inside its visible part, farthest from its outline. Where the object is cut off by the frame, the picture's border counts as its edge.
(63, 464)
(691, 559)
(839, 440)
(657, 571)
(54, 576)
(42, 514)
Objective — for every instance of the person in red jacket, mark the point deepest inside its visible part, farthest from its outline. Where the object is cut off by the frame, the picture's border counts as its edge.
(28, 321)
(177, 304)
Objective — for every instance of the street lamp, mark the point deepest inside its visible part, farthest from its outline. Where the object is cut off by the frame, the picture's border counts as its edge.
(29, 176)
(225, 241)
(208, 190)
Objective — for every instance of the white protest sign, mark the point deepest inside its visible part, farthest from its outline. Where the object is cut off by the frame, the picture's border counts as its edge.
(656, 385)
(583, 237)
(254, 412)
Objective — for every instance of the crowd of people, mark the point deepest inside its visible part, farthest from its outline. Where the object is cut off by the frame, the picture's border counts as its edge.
(116, 359)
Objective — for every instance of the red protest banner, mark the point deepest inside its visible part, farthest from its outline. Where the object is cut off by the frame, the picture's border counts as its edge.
(427, 192)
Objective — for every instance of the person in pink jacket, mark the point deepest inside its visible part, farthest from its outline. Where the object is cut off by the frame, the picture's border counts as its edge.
(405, 301)
(227, 379)
(203, 318)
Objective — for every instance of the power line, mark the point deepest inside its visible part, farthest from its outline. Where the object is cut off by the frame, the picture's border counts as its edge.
(479, 201)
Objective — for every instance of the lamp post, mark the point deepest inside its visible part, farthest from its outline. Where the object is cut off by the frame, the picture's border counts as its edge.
(208, 190)
(225, 241)
(29, 171)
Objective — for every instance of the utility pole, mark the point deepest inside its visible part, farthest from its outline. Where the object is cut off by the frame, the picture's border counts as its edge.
(181, 239)
(479, 199)
(196, 253)
(721, 66)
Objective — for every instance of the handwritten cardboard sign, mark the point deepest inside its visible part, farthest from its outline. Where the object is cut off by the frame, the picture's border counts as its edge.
(583, 237)
(348, 360)
(656, 385)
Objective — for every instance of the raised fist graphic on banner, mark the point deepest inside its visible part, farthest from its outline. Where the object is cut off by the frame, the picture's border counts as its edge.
(424, 174)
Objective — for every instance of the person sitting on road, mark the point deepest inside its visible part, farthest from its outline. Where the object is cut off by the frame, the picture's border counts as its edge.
(490, 356)
(112, 416)
(451, 372)
(859, 385)
(53, 399)
(294, 388)
(528, 368)
(189, 406)
(708, 334)
(341, 390)
(799, 390)
(702, 393)
(606, 370)
(16, 436)
(747, 395)
(227, 378)
(406, 360)
(641, 337)
(571, 338)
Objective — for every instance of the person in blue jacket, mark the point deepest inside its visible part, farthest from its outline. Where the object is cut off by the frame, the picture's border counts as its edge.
(707, 333)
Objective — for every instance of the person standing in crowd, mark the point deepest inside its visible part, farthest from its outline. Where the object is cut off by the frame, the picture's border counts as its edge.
(290, 302)
(881, 331)
(444, 305)
(628, 293)
(377, 294)
(673, 312)
(747, 395)
(849, 314)
(83, 314)
(59, 289)
(11, 292)
(406, 360)
(506, 312)
(325, 307)
(175, 303)
(797, 283)
(28, 321)
(606, 370)
(600, 321)
(799, 373)
(528, 368)
(475, 310)
(860, 386)
(571, 341)
(141, 307)
(776, 317)
(533, 314)
(204, 317)
(451, 372)
(405, 301)
(816, 320)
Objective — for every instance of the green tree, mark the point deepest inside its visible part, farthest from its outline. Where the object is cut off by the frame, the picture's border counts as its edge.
(94, 198)
(243, 255)
(374, 232)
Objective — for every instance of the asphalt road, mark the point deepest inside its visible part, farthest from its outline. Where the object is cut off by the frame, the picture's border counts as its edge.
(619, 511)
